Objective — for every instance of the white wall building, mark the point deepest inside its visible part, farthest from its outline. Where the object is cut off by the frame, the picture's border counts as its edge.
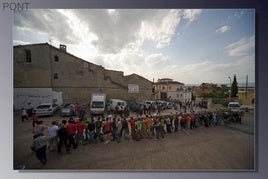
(167, 89)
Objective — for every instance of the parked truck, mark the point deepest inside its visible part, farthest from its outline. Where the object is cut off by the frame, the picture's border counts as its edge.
(97, 103)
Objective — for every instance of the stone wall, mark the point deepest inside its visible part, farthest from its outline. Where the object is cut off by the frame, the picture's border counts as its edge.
(74, 77)
(36, 73)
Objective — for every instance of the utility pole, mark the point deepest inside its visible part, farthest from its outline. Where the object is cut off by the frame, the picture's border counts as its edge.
(246, 86)
(230, 87)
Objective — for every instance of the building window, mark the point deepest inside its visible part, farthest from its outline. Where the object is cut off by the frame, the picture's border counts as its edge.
(56, 76)
(28, 55)
(56, 58)
(169, 87)
(163, 88)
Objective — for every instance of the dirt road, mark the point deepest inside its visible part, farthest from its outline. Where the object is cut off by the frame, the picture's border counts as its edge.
(214, 148)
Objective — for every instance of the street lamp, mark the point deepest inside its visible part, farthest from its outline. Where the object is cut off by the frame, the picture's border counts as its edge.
(230, 87)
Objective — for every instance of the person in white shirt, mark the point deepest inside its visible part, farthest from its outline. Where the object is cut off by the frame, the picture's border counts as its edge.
(24, 115)
(53, 137)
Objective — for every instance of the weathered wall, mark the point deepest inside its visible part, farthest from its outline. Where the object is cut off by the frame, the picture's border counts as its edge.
(32, 74)
(76, 78)
(145, 88)
(75, 72)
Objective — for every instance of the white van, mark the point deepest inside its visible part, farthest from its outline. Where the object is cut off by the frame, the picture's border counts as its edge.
(97, 104)
(234, 106)
(112, 103)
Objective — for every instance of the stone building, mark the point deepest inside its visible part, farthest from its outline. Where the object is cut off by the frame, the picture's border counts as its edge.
(44, 73)
(167, 89)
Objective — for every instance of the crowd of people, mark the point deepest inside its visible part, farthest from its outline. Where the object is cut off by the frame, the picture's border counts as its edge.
(76, 131)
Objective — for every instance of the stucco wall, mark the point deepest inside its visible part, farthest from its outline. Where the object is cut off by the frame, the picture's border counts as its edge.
(76, 78)
(32, 74)
(22, 96)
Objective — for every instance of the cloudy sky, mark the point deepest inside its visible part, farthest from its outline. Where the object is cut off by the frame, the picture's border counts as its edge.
(188, 45)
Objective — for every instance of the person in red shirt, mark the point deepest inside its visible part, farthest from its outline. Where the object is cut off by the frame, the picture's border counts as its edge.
(132, 125)
(192, 121)
(34, 119)
(71, 129)
(106, 130)
(107, 126)
(80, 127)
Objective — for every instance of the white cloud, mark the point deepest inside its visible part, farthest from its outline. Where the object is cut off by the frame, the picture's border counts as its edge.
(156, 60)
(242, 47)
(113, 38)
(155, 66)
(160, 28)
(19, 42)
(223, 29)
(191, 14)
(50, 22)
(126, 29)
(106, 30)
(211, 71)
(148, 66)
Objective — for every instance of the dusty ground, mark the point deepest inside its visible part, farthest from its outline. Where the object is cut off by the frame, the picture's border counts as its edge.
(214, 148)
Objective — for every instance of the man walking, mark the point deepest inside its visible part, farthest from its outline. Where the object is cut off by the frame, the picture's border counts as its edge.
(39, 146)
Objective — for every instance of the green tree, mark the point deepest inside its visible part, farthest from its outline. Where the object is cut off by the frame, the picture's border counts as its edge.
(203, 86)
(214, 87)
(224, 91)
(234, 90)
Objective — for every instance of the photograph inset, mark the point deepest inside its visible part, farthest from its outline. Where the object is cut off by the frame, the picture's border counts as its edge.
(134, 89)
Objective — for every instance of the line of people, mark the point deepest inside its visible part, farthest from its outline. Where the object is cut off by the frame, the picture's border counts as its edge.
(69, 134)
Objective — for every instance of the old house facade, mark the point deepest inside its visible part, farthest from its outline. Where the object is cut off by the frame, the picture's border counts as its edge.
(167, 89)
(45, 73)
